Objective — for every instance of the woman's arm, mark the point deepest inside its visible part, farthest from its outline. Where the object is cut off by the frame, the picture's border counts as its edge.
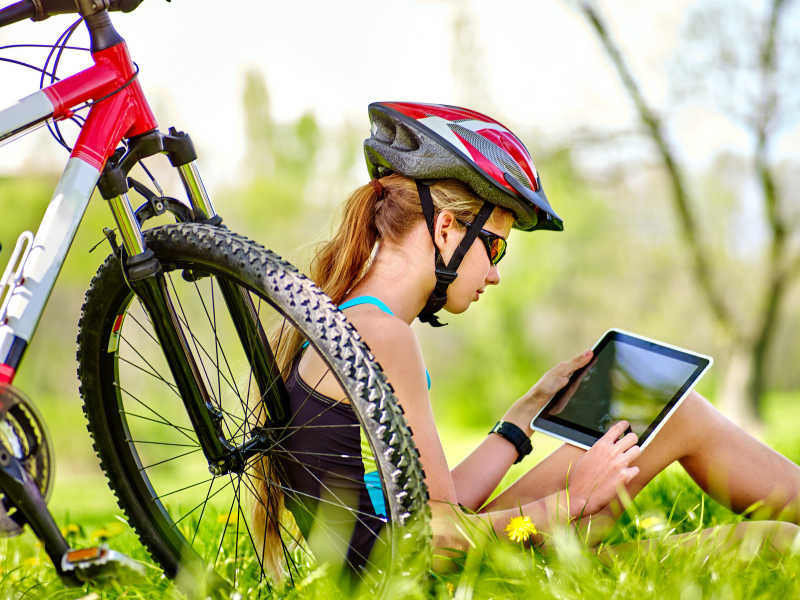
(594, 480)
(476, 477)
(396, 347)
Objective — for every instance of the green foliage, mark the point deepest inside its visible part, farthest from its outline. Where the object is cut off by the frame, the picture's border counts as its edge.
(618, 263)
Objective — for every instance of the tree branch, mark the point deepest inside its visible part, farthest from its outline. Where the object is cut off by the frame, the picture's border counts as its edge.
(766, 175)
(652, 123)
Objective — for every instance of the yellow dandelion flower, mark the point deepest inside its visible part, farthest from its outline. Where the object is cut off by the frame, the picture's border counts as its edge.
(33, 561)
(450, 588)
(101, 534)
(649, 522)
(70, 529)
(229, 518)
(520, 529)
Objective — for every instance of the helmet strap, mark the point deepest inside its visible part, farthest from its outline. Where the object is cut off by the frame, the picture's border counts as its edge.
(446, 274)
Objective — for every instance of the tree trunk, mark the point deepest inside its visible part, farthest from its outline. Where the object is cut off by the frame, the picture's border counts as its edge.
(733, 394)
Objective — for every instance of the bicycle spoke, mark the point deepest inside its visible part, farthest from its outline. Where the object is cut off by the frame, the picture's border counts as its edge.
(290, 455)
(202, 512)
(155, 372)
(203, 504)
(166, 460)
(184, 488)
(328, 528)
(146, 330)
(224, 529)
(276, 519)
(138, 416)
(341, 505)
(216, 343)
(163, 420)
(161, 443)
(185, 321)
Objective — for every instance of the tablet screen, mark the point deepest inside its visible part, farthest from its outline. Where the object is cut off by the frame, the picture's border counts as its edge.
(629, 378)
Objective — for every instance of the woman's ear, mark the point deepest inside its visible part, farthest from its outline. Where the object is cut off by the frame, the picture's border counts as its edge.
(443, 228)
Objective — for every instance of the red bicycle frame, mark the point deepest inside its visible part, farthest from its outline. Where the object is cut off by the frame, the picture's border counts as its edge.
(120, 109)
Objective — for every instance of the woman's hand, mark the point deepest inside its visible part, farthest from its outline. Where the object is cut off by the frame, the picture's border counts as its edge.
(540, 394)
(596, 476)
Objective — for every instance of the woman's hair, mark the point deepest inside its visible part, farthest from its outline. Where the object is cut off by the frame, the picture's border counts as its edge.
(337, 266)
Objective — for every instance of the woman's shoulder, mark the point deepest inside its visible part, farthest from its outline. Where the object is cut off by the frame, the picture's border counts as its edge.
(394, 344)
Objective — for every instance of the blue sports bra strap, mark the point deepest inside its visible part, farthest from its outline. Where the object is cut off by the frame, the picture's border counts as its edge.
(358, 300)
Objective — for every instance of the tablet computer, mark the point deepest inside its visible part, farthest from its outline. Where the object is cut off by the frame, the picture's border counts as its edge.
(630, 378)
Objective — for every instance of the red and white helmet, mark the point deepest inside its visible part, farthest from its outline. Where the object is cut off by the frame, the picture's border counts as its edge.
(436, 141)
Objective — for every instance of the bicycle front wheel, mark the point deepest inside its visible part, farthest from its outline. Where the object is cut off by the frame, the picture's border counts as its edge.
(185, 512)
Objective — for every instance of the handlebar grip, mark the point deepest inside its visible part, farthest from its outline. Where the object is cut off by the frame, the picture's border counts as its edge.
(27, 9)
(17, 12)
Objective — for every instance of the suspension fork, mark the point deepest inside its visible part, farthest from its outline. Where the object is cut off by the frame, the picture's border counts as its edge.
(144, 276)
(240, 305)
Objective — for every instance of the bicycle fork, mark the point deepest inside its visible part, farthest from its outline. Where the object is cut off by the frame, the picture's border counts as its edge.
(144, 276)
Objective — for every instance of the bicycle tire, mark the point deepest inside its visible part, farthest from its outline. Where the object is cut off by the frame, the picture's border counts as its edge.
(127, 459)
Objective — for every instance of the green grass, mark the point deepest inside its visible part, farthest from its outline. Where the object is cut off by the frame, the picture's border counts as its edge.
(672, 503)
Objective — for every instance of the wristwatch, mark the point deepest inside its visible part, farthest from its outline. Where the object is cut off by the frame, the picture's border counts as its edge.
(516, 436)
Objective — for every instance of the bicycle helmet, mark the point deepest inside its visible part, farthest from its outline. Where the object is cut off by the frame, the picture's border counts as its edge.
(437, 141)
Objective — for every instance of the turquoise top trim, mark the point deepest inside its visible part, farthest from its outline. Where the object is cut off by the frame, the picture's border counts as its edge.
(358, 301)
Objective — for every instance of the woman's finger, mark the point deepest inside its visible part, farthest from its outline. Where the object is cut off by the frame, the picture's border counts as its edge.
(632, 453)
(582, 359)
(629, 473)
(626, 442)
(572, 365)
(616, 430)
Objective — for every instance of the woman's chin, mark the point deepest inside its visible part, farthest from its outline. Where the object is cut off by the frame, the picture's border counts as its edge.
(456, 308)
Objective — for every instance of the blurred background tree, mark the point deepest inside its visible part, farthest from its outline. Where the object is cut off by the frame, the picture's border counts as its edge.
(744, 62)
(621, 262)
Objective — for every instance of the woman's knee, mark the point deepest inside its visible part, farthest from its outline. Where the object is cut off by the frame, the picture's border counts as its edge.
(694, 420)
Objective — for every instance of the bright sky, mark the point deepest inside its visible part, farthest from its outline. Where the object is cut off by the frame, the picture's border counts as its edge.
(543, 66)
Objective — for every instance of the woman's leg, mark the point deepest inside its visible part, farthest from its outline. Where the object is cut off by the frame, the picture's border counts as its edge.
(728, 463)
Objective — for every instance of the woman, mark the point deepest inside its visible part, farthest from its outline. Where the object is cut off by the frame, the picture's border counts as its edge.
(427, 233)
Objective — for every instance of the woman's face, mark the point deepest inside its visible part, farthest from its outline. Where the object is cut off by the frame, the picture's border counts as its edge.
(476, 270)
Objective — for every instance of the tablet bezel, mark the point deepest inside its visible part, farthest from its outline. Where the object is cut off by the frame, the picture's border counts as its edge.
(577, 435)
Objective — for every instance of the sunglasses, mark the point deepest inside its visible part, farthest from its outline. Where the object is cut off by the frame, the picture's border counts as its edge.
(494, 244)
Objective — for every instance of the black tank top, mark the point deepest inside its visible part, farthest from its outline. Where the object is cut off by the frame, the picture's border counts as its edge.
(325, 461)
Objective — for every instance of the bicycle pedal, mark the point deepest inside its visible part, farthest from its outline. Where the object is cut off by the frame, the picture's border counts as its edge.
(98, 561)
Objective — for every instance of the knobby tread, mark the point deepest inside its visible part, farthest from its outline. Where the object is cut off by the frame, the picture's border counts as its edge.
(258, 268)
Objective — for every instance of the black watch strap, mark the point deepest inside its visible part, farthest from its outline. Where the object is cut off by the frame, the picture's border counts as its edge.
(516, 436)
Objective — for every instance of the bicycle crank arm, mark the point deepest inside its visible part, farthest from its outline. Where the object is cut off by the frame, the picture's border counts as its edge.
(24, 494)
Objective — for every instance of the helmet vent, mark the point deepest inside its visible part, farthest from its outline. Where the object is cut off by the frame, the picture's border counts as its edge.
(494, 153)
(405, 139)
(382, 130)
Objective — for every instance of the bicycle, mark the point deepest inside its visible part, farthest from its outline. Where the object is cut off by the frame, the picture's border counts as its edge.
(181, 388)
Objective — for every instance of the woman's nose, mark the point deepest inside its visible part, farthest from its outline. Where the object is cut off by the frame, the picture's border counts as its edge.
(493, 277)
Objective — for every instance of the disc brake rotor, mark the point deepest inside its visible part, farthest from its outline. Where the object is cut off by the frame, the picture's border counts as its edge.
(23, 435)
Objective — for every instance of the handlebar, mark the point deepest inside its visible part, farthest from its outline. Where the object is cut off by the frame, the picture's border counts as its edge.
(39, 10)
